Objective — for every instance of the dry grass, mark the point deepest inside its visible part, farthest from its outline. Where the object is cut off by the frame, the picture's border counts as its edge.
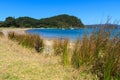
(1, 34)
(100, 53)
(28, 40)
(19, 63)
(57, 46)
(61, 47)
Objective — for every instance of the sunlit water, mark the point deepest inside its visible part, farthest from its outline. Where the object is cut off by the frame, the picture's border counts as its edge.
(72, 34)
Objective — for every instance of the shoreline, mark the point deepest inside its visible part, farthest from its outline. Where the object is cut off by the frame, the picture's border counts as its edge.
(16, 30)
(47, 41)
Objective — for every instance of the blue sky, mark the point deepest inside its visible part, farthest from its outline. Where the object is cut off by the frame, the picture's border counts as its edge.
(89, 11)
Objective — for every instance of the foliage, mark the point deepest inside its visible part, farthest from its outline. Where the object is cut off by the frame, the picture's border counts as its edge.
(26, 22)
(60, 21)
(27, 40)
(1, 34)
(101, 52)
(61, 47)
(57, 46)
(1, 24)
(65, 56)
(10, 21)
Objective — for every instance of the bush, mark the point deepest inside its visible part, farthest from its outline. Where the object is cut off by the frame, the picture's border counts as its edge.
(61, 48)
(57, 46)
(11, 35)
(100, 52)
(84, 51)
(1, 34)
(108, 62)
(28, 40)
(38, 43)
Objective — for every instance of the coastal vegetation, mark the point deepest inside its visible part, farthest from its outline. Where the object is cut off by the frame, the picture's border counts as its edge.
(60, 21)
(1, 34)
(27, 40)
(61, 48)
(96, 55)
(99, 53)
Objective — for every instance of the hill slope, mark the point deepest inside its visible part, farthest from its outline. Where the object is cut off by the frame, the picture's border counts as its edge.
(60, 21)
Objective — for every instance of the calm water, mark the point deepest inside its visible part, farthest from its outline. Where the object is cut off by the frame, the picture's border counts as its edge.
(72, 34)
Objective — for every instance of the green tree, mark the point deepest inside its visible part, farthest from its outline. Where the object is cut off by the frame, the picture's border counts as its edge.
(26, 22)
(10, 21)
(1, 24)
(61, 21)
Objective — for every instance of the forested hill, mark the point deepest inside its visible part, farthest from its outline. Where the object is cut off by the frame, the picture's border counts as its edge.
(60, 21)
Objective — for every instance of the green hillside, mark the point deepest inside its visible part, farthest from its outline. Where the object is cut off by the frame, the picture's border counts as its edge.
(60, 21)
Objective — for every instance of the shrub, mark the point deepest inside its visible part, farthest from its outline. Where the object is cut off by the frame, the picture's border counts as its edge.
(11, 35)
(57, 46)
(1, 34)
(28, 40)
(100, 52)
(38, 43)
(61, 48)
(84, 51)
(108, 61)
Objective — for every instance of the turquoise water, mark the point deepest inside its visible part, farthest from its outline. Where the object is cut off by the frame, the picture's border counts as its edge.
(72, 34)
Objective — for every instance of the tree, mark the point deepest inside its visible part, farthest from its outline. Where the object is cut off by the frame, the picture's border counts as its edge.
(1, 24)
(60, 21)
(26, 22)
(10, 21)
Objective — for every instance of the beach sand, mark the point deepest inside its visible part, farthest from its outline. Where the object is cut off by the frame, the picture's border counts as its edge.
(47, 41)
(20, 63)
(16, 30)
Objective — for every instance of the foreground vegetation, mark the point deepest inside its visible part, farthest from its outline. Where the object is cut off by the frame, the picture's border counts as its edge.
(98, 53)
(21, 63)
(27, 40)
(94, 57)
(60, 21)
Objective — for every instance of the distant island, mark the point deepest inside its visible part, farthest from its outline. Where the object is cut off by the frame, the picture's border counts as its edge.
(60, 21)
(100, 25)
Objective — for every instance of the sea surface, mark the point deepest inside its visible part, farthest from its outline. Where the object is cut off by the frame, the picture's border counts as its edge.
(72, 34)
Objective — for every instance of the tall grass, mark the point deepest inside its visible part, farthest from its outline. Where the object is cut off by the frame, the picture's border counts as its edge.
(1, 34)
(61, 47)
(75, 60)
(101, 52)
(84, 51)
(108, 58)
(28, 40)
(98, 52)
(57, 46)
(65, 55)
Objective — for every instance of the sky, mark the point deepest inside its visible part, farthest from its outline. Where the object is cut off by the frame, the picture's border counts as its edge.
(89, 11)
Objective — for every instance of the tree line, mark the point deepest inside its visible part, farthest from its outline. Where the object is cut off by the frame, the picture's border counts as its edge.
(60, 21)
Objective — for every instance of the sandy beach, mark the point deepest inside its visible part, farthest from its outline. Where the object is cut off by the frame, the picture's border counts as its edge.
(48, 42)
(16, 30)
